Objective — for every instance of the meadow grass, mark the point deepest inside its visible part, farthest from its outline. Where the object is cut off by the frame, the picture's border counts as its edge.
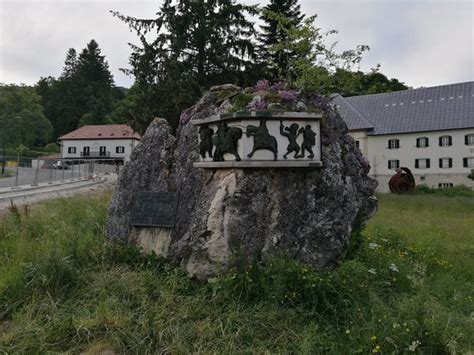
(405, 287)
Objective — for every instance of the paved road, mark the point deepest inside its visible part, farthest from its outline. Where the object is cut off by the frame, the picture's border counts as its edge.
(26, 176)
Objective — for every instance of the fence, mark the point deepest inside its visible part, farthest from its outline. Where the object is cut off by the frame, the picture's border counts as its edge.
(19, 171)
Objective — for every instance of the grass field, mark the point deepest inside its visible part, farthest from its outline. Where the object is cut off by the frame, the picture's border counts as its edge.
(406, 286)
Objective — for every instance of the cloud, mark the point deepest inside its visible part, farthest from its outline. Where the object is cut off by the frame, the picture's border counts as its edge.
(420, 42)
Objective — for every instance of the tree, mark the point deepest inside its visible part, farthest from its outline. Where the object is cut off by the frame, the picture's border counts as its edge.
(21, 118)
(196, 44)
(83, 94)
(275, 31)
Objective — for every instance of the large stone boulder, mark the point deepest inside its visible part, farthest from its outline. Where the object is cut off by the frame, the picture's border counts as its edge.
(227, 217)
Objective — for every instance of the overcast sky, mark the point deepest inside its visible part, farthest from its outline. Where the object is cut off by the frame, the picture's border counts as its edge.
(420, 42)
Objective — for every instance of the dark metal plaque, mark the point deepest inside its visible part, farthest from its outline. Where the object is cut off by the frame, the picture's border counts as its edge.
(154, 209)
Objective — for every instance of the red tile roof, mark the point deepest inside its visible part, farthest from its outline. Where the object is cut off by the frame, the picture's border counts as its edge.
(111, 131)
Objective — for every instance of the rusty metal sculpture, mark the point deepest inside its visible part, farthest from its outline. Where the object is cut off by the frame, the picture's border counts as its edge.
(402, 182)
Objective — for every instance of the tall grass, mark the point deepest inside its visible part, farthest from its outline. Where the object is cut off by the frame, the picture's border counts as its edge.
(64, 288)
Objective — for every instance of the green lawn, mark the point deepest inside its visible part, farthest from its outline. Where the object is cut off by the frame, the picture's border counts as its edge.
(444, 223)
(406, 286)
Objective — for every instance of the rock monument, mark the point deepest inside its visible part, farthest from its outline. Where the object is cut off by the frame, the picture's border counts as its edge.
(249, 174)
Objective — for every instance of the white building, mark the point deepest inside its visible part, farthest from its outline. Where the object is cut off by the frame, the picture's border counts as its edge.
(428, 130)
(100, 142)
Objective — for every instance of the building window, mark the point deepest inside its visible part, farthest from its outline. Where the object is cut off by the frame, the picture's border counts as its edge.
(422, 178)
(422, 142)
(358, 144)
(85, 151)
(445, 163)
(120, 150)
(469, 139)
(445, 185)
(445, 141)
(468, 162)
(393, 164)
(393, 143)
(71, 150)
(102, 151)
(422, 163)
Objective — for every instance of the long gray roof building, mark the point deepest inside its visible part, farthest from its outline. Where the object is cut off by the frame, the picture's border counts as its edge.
(436, 108)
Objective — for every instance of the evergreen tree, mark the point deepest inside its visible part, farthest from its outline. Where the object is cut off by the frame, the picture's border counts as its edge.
(92, 75)
(275, 31)
(70, 64)
(83, 94)
(197, 44)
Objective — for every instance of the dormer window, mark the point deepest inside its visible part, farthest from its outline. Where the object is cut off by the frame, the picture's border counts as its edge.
(445, 141)
(422, 142)
(393, 143)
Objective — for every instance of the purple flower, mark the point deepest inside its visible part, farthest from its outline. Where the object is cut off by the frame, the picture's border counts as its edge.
(185, 116)
(258, 105)
(348, 139)
(288, 95)
(320, 101)
(364, 163)
(278, 86)
(262, 85)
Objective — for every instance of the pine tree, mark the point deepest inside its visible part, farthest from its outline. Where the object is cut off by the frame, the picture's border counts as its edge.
(83, 94)
(198, 44)
(275, 31)
(70, 64)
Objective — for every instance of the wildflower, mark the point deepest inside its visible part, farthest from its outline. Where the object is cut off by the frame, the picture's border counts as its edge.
(262, 85)
(372, 271)
(376, 349)
(278, 86)
(414, 345)
(396, 325)
(185, 116)
(348, 331)
(258, 105)
(393, 267)
(288, 95)
(373, 245)
(373, 337)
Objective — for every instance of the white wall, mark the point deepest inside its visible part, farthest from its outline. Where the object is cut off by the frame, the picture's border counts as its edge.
(378, 154)
(362, 138)
(95, 145)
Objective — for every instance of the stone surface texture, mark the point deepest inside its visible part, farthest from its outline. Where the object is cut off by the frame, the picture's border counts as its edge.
(227, 217)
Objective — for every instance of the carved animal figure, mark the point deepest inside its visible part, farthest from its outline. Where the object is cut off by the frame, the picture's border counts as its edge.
(309, 141)
(262, 139)
(205, 141)
(226, 141)
(402, 182)
(291, 133)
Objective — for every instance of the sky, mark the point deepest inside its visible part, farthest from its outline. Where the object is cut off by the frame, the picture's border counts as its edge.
(419, 42)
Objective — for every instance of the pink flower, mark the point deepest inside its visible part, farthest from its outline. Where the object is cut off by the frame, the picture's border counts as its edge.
(185, 116)
(278, 86)
(288, 95)
(262, 85)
